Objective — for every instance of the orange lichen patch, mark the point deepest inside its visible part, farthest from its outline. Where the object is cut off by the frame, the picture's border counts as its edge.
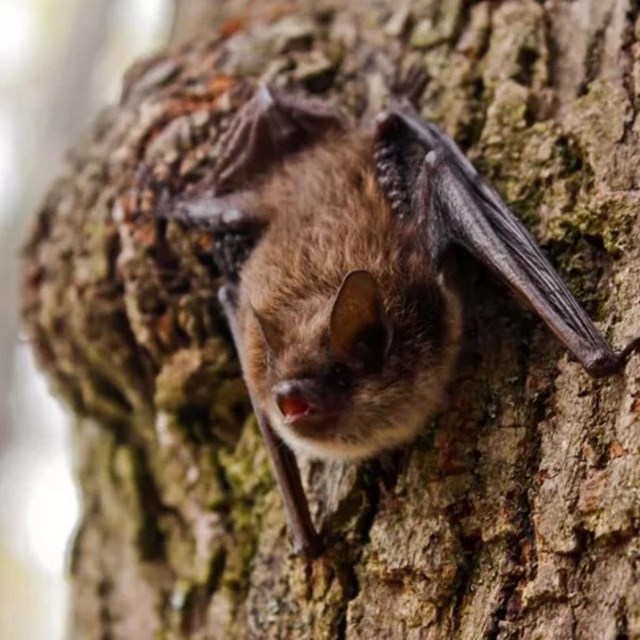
(527, 552)
(540, 477)
(145, 234)
(232, 26)
(222, 83)
(588, 452)
(204, 240)
(164, 327)
(176, 107)
(185, 105)
(216, 98)
(592, 491)
(616, 450)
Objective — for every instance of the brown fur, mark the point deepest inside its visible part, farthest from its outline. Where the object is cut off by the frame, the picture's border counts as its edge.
(327, 217)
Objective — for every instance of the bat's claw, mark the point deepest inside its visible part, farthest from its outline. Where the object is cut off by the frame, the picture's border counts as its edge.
(629, 350)
(611, 363)
(412, 84)
(309, 548)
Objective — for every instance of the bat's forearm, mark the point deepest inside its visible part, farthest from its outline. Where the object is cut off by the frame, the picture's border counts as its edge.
(305, 540)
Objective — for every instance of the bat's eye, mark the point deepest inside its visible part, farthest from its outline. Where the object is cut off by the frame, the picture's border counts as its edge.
(340, 375)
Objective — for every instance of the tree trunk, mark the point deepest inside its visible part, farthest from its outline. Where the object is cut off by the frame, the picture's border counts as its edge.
(517, 515)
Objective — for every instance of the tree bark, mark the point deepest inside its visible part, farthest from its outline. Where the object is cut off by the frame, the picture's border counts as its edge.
(517, 515)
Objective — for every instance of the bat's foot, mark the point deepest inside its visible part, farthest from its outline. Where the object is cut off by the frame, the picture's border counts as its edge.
(606, 366)
(630, 349)
(309, 547)
(610, 363)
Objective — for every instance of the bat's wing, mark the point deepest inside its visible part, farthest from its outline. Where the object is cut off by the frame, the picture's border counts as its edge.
(456, 205)
(266, 130)
(306, 542)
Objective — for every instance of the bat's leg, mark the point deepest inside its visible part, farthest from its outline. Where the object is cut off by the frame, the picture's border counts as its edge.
(270, 126)
(306, 541)
(450, 203)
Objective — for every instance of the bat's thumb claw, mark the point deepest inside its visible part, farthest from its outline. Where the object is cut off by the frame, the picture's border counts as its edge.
(630, 349)
(384, 123)
(431, 159)
(228, 297)
(264, 96)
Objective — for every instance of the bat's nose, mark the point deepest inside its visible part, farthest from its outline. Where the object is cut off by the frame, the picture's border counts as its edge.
(305, 407)
(292, 399)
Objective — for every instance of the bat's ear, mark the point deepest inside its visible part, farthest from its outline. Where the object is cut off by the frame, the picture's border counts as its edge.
(270, 332)
(359, 325)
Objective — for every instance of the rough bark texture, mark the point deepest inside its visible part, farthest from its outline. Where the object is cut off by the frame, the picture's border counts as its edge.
(517, 515)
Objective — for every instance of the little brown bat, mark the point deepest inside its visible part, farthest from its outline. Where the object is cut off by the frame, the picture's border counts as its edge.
(333, 239)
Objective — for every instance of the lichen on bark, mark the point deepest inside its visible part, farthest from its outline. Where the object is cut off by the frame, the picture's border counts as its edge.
(516, 514)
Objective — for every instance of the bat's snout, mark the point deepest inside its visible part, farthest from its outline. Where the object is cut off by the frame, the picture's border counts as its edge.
(291, 401)
(300, 401)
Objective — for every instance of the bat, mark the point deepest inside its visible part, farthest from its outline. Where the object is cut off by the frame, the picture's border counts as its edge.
(333, 238)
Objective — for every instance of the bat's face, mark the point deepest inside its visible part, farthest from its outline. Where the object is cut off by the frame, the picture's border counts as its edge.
(351, 377)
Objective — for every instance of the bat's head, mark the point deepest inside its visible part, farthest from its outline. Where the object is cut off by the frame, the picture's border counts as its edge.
(353, 371)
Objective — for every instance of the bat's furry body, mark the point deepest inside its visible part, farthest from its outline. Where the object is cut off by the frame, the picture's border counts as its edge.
(328, 217)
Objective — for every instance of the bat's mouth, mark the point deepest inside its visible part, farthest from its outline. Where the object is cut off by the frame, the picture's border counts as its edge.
(302, 408)
(306, 420)
(293, 406)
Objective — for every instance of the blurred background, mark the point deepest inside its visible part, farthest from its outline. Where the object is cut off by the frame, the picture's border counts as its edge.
(60, 60)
